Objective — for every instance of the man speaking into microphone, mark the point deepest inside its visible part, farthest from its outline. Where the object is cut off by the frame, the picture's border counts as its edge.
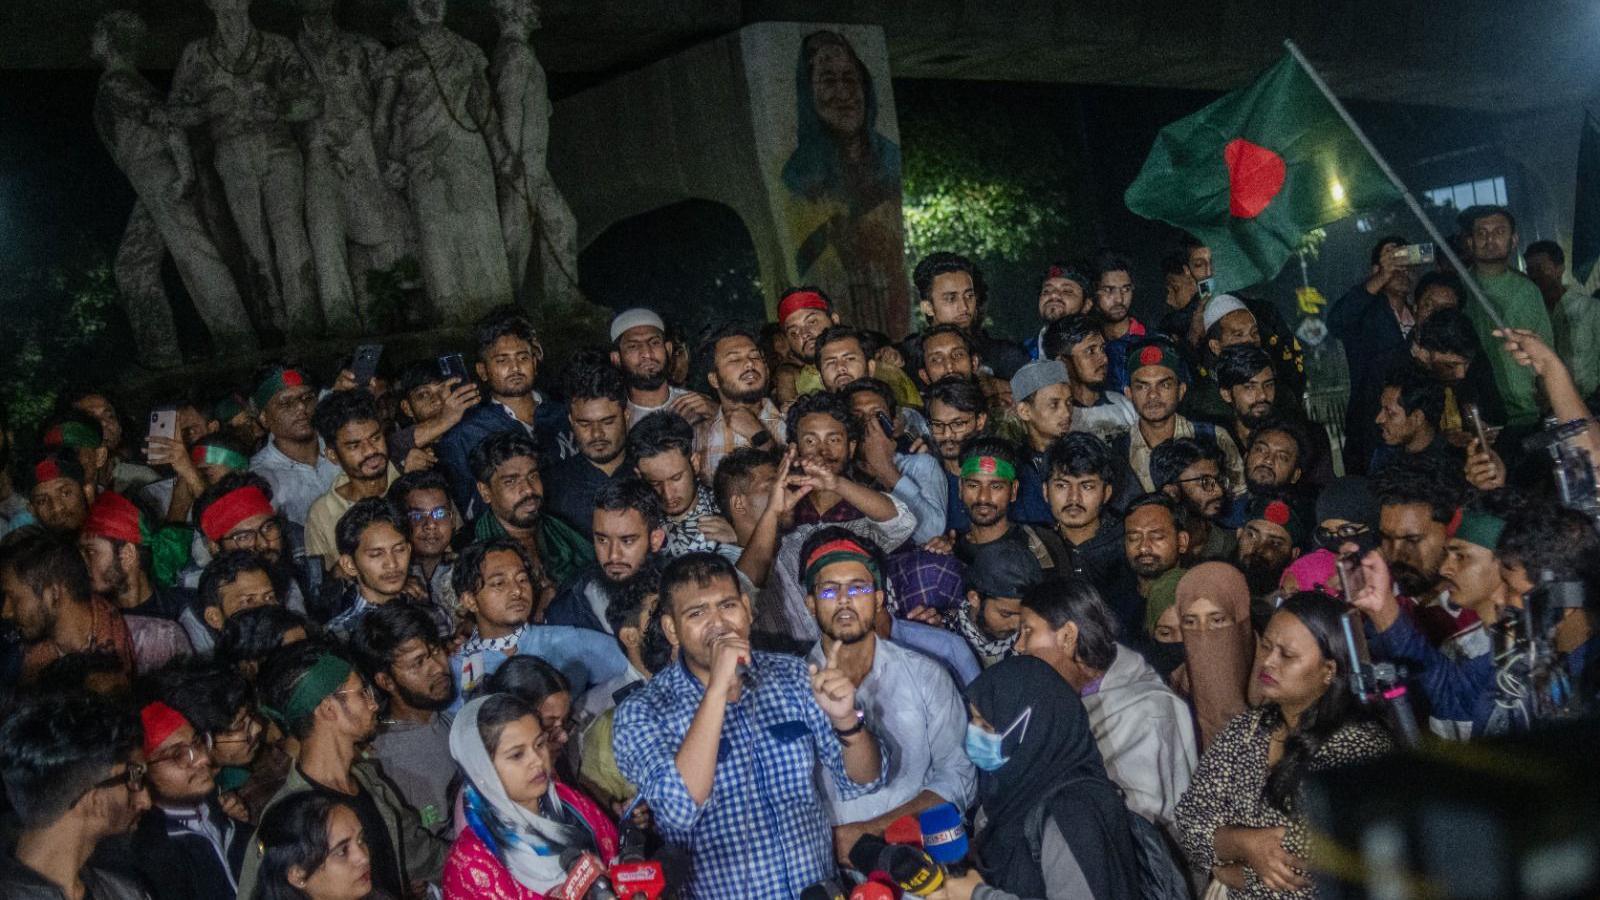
(724, 743)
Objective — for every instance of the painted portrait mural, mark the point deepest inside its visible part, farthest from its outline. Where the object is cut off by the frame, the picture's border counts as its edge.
(838, 183)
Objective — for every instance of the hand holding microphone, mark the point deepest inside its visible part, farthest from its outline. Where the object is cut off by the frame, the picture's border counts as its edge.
(730, 659)
(585, 878)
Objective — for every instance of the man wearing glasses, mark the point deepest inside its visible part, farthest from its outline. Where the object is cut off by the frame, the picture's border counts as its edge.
(317, 696)
(185, 845)
(424, 498)
(292, 462)
(915, 707)
(237, 513)
(74, 773)
(1191, 472)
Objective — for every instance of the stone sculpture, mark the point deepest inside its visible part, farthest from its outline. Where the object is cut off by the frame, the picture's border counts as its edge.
(533, 214)
(248, 87)
(436, 124)
(132, 120)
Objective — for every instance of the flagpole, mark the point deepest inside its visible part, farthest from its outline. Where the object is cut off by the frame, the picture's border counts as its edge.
(1405, 193)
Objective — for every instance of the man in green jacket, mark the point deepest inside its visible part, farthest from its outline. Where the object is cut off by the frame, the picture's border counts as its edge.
(1492, 236)
(316, 694)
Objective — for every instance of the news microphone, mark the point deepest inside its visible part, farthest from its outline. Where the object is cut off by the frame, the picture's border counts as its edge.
(827, 889)
(904, 830)
(865, 854)
(912, 869)
(585, 878)
(873, 890)
(641, 879)
(943, 834)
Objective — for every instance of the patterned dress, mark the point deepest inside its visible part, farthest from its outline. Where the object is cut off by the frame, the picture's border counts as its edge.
(1229, 788)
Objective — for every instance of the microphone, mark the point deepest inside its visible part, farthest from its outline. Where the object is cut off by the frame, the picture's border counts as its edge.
(943, 834)
(585, 877)
(827, 889)
(905, 830)
(866, 853)
(912, 869)
(874, 890)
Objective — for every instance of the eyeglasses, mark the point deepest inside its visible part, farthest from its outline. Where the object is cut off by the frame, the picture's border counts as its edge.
(246, 730)
(437, 514)
(1341, 533)
(566, 726)
(830, 592)
(266, 533)
(185, 754)
(949, 427)
(131, 778)
(1204, 482)
(365, 691)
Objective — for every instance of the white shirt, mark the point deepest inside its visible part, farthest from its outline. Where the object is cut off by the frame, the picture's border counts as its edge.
(637, 412)
(295, 485)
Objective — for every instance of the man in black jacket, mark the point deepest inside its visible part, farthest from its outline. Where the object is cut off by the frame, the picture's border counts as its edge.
(75, 777)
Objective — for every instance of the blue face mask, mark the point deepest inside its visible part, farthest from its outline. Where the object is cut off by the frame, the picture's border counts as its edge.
(983, 747)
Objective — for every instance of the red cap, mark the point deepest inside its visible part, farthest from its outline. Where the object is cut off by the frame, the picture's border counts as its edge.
(232, 508)
(1277, 512)
(114, 516)
(799, 300)
(159, 721)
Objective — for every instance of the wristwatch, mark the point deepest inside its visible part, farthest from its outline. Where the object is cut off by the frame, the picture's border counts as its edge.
(861, 722)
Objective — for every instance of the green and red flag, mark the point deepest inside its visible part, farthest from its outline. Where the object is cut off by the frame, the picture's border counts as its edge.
(1253, 172)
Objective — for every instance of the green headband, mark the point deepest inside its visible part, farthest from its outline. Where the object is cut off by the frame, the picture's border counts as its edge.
(316, 685)
(75, 435)
(1481, 528)
(988, 465)
(278, 380)
(215, 455)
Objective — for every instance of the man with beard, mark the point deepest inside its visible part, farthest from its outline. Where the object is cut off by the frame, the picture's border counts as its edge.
(825, 435)
(375, 560)
(1276, 456)
(316, 695)
(424, 499)
(914, 478)
(506, 466)
(1080, 481)
(352, 437)
(640, 350)
(509, 354)
(294, 461)
(1417, 499)
(75, 776)
(805, 313)
(956, 413)
(48, 600)
(988, 486)
(1113, 303)
(1078, 343)
(843, 358)
(1249, 388)
(1063, 292)
(220, 704)
(236, 514)
(990, 614)
(119, 548)
(1157, 382)
(1273, 534)
(493, 579)
(945, 351)
(916, 710)
(400, 652)
(185, 845)
(1409, 411)
(737, 370)
(628, 530)
(1190, 472)
(1492, 236)
(61, 492)
(952, 292)
(1155, 539)
(234, 581)
(597, 406)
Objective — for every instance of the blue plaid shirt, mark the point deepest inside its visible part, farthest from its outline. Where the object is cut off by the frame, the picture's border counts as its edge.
(764, 833)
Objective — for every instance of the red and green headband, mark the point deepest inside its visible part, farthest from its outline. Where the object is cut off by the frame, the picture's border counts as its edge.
(988, 465)
(203, 454)
(841, 550)
(232, 508)
(75, 435)
(1477, 527)
(115, 517)
(277, 380)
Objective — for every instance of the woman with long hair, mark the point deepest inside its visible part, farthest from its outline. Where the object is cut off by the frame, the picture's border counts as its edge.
(1241, 818)
(313, 848)
(519, 818)
(1031, 741)
(1219, 645)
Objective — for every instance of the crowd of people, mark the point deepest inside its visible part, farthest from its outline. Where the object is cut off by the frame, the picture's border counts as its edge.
(750, 606)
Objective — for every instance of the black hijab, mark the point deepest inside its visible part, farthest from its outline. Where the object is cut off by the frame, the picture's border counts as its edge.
(1053, 756)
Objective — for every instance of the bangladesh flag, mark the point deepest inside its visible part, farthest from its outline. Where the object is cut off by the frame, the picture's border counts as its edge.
(1253, 172)
(1586, 214)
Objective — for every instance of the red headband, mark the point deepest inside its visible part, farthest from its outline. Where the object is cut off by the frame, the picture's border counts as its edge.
(231, 509)
(844, 545)
(800, 300)
(114, 516)
(46, 470)
(159, 721)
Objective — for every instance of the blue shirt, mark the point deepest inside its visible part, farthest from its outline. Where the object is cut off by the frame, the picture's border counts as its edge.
(941, 645)
(586, 657)
(921, 487)
(764, 832)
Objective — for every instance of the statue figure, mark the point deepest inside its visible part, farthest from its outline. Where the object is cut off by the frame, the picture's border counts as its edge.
(532, 211)
(249, 87)
(356, 222)
(132, 120)
(437, 127)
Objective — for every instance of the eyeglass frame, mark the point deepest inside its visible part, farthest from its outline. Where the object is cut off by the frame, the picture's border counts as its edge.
(257, 535)
(131, 778)
(437, 514)
(200, 744)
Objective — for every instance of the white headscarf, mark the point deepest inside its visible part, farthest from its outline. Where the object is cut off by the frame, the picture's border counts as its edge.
(530, 845)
